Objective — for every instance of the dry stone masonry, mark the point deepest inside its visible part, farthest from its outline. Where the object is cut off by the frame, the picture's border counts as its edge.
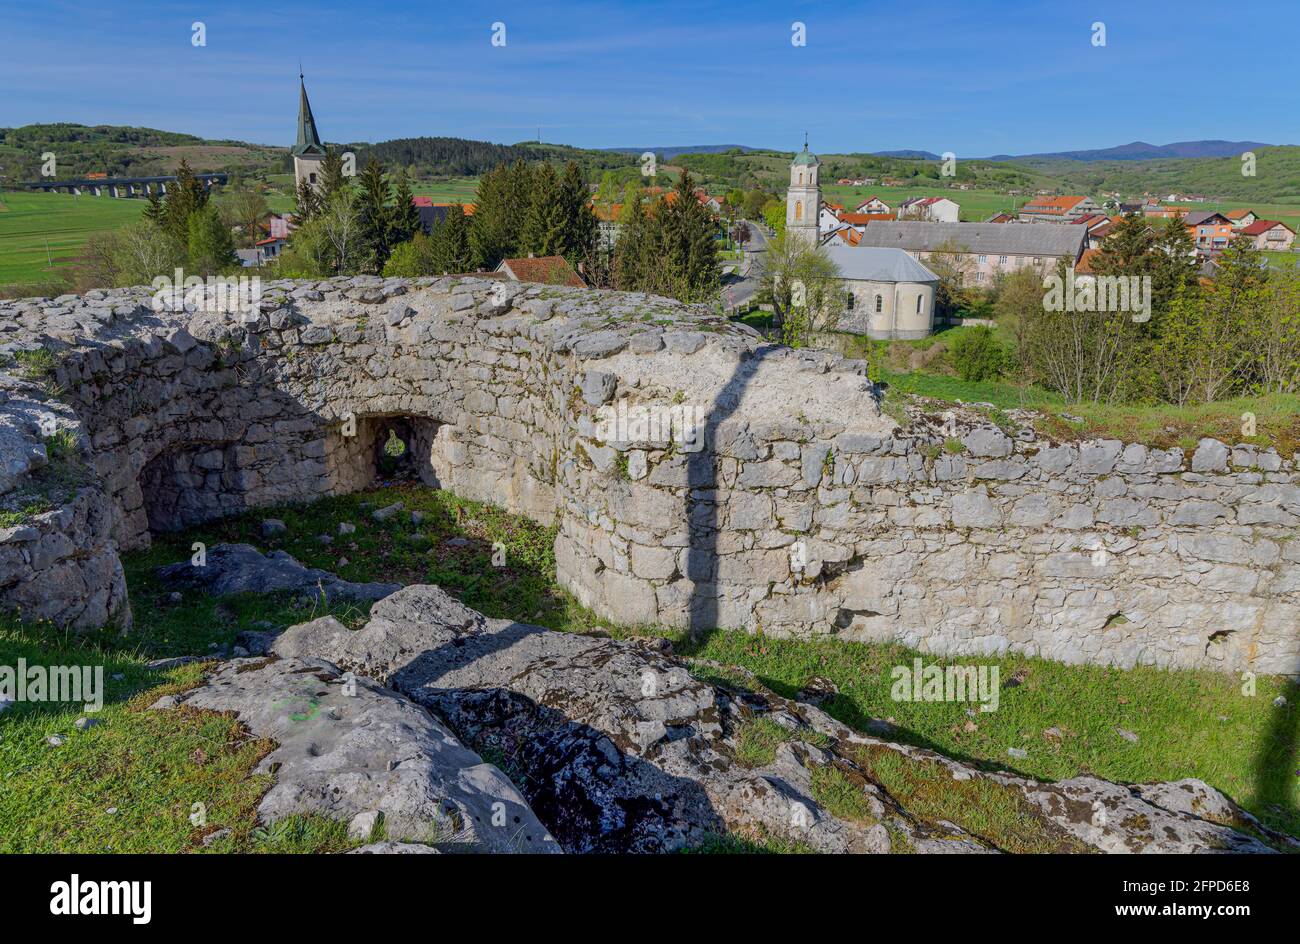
(807, 511)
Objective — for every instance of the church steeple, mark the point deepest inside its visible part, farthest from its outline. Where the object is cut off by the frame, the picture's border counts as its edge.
(308, 139)
(803, 201)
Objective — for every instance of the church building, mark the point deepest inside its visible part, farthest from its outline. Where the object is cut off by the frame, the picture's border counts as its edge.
(888, 294)
(308, 152)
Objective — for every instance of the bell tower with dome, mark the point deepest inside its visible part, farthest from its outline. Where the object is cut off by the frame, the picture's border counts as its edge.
(803, 201)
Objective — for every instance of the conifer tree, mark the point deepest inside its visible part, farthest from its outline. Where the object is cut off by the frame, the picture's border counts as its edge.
(405, 220)
(544, 227)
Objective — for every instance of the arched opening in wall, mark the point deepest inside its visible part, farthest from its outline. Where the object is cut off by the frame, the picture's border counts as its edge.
(383, 448)
(192, 484)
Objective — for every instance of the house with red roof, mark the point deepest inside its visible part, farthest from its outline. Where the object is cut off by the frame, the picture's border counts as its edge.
(874, 204)
(1269, 234)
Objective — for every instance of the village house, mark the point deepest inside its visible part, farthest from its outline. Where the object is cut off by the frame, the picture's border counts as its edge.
(1240, 219)
(873, 205)
(1208, 229)
(1269, 234)
(984, 249)
(1057, 209)
(929, 209)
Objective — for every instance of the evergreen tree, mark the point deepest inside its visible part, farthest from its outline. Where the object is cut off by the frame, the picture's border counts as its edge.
(494, 232)
(580, 225)
(309, 202)
(687, 240)
(544, 227)
(185, 197)
(449, 243)
(374, 215)
(210, 246)
(629, 265)
(405, 220)
(1174, 268)
(153, 211)
(331, 176)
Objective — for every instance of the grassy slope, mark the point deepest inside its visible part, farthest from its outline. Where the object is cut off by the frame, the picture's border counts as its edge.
(976, 205)
(1188, 723)
(28, 219)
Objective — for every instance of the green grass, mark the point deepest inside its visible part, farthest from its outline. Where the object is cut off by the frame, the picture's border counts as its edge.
(27, 220)
(1189, 724)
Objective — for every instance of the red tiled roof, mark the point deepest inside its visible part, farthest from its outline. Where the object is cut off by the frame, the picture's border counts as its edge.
(422, 201)
(1237, 214)
(1052, 204)
(547, 270)
(1084, 265)
(1260, 227)
(862, 219)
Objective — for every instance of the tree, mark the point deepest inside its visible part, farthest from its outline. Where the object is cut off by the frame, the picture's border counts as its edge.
(753, 206)
(630, 270)
(580, 227)
(687, 241)
(185, 196)
(774, 215)
(329, 244)
(405, 221)
(543, 232)
(210, 246)
(951, 262)
(450, 249)
(331, 177)
(502, 203)
(740, 233)
(807, 292)
(245, 208)
(411, 258)
(374, 215)
(309, 202)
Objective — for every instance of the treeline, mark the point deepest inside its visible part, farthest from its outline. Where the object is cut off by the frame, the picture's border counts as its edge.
(445, 156)
(1202, 340)
(35, 136)
(520, 209)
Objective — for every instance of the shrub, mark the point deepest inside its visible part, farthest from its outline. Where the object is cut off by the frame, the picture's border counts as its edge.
(976, 355)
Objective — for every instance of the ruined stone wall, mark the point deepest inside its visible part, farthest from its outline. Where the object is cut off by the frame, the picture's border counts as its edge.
(805, 512)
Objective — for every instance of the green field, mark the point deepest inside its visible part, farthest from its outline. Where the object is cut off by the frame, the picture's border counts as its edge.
(29, 220)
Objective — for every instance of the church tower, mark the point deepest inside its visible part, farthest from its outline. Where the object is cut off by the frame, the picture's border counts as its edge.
(803, 201)
(308, 152)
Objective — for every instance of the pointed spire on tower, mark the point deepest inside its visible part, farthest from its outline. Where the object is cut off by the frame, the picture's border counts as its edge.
(308, 139)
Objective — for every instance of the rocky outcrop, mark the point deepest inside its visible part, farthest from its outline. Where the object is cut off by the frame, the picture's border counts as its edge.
(242, 568)
(351, 750)
(619, 748)
(699, 476)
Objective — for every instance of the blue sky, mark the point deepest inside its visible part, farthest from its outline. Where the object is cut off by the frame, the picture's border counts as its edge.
(975, 77)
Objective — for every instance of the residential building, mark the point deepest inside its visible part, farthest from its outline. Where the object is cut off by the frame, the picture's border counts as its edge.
(986, 249)
(929, 209)
(1269, 234)
(432, 213)
(1241, 218)
(888, 294)
(874, 205)
(1057, 209)
(1208, 229)
(546, 270)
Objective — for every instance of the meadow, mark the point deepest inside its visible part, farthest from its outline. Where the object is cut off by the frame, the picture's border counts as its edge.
(42, 233)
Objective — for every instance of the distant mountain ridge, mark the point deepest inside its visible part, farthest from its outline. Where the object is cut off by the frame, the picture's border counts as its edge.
(1142, 151)
(668, 153)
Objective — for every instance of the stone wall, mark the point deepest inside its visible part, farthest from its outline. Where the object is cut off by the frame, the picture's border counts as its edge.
(806, 511)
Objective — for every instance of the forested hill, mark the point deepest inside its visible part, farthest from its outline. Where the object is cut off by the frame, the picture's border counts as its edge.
(454, 157)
